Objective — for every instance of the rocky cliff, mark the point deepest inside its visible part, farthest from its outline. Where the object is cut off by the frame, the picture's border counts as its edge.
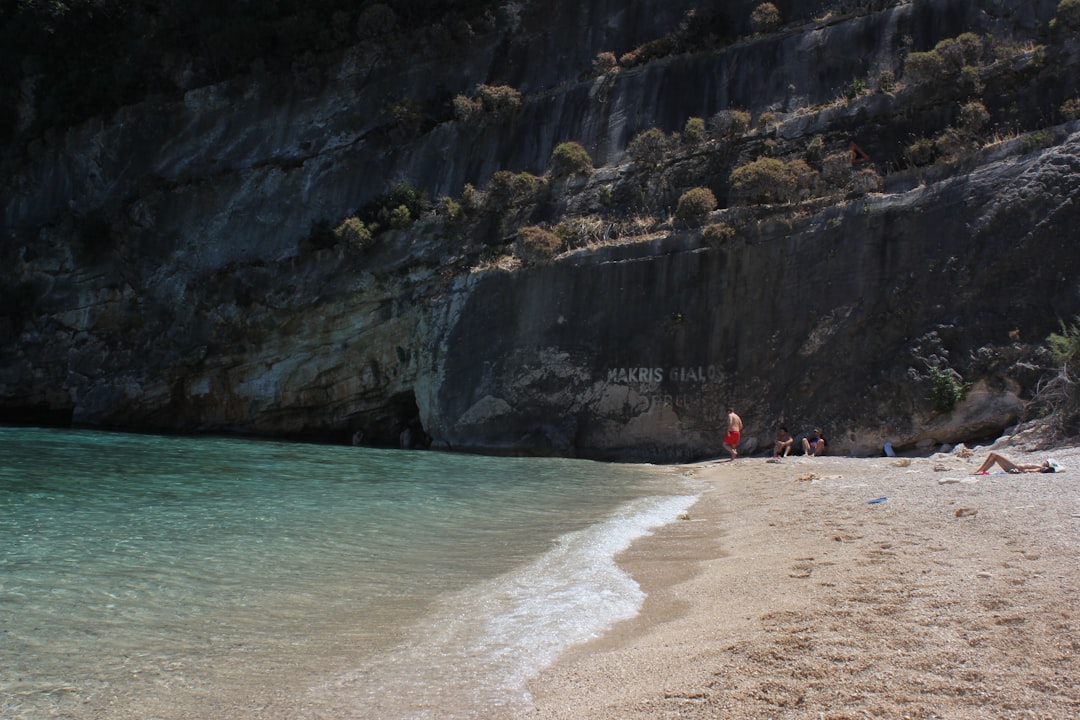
(173, 267)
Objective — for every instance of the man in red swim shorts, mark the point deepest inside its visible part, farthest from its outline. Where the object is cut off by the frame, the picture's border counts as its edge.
(734, 431)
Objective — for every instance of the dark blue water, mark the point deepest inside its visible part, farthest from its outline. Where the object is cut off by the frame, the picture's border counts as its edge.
(154, 577)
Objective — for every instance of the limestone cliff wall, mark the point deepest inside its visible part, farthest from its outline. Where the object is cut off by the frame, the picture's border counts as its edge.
(158, 272)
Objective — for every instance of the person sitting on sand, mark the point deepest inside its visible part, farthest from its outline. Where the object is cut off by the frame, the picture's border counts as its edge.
(784, 441)
(1046, 466)
(814, 446)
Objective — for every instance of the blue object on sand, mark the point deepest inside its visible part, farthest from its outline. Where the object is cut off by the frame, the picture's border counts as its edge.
(875, 501)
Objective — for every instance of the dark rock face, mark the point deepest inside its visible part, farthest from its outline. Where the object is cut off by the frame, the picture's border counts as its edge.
(158, 273)
(636, 351)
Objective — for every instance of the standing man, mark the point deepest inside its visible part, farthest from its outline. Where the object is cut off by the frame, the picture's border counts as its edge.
(734, 431)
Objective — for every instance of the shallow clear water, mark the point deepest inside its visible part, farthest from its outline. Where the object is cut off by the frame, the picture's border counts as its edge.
(156, 577)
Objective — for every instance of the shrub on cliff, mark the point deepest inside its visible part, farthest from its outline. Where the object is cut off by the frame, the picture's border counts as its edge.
(605, 63)
(947, 388)
(728, 123)
(570, 158)
(648, 148)
(1068, 14)
(765, 18)
(764, 180)
(693, 131)
(536, 245)
(507, 189)
(695, 205)
(923, 67)
(973, 117)
(375, 21)
(1070, 109)
(354, 233)
(717, 233)
(490, 102)
(1058, 393)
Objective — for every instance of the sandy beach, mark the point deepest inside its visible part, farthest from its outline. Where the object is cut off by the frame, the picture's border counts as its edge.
(786, 593)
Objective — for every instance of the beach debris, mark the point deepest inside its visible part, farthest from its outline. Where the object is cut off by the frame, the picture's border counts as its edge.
(684, 516)
(965, 512)
(846, 537)
(941, 468)
(962, 451)
(807, 478)
(983, 574)
(902, 462)
(876, 501)
(948, 481)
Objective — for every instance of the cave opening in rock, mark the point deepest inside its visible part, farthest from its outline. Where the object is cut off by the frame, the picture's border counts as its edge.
(396, 423)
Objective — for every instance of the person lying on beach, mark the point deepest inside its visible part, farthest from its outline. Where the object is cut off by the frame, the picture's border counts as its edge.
(1046, 466)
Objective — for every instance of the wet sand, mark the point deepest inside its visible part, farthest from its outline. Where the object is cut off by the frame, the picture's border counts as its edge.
(785, 593)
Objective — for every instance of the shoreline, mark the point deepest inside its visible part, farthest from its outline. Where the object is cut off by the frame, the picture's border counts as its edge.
(787, 594)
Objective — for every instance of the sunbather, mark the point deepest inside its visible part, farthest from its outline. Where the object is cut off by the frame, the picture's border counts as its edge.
(1046, 466)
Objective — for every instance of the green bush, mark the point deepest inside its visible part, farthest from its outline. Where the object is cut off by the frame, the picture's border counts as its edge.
(648, 148)
(384, 211)
(1065, 346)
(570, 158)
(537, 245)
(765, 180)
(695, 205)
(765, 18)
(947, 388)
(856, 88)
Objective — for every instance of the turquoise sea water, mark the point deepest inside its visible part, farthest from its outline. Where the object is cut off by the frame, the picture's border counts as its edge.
(169, 578)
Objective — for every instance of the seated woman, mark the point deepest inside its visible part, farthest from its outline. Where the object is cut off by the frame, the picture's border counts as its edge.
(784, 441)
(814, 446)
(1046, 466)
